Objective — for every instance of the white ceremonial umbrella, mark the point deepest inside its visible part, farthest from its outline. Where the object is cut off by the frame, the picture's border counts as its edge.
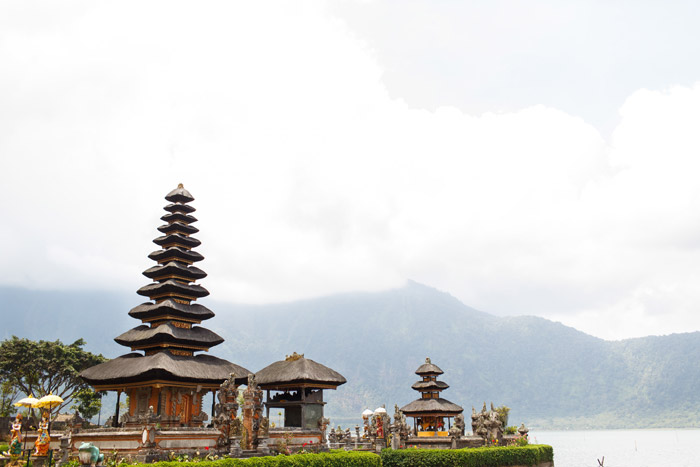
(30, 402)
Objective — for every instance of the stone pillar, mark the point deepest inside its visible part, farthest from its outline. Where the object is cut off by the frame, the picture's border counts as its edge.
(395, 437)
(264, 446)
(247, 420)
(333, 439)
(64, 449)
(234, 449)
(379, 444)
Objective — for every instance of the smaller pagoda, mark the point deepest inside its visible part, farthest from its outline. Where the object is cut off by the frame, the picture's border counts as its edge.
(431, 411)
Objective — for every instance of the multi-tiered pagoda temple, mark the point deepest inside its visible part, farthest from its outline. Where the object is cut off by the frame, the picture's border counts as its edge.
(430, 412)
(168, 376)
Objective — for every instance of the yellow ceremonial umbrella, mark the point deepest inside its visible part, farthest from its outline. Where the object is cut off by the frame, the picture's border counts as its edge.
(30, 402)
(49, 401)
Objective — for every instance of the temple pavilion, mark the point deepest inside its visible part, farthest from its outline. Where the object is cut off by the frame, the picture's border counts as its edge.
(295, 386)
(164, 369)
(430, 412)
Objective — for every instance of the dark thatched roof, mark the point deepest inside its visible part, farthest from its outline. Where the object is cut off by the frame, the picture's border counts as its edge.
(172, 287)
(151, 311)
(179, 207)
(428, 368)
(168, 333)
(179, 195)
(178, 227)
(431, 406)
(179, 217)
(430, 385)
(177, 239)
(134, 367)
(175, 253)
(174, 268)
(297, 370)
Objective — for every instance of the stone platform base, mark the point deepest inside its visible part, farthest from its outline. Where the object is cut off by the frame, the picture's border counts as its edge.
(295, 439)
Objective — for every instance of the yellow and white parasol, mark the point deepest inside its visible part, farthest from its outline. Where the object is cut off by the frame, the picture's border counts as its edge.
(30, 402)
(49, 401)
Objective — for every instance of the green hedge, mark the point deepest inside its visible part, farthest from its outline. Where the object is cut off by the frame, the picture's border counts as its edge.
(340, 459)
(473, 457)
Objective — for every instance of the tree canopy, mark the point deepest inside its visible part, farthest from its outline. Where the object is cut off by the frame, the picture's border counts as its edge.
(8, 394)
(87, 402)
(44, 367)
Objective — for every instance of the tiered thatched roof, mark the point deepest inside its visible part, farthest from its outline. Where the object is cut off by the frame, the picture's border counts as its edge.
(134, 369)
(297, 371)
(430, 403)
(431, 407)
(169, 338)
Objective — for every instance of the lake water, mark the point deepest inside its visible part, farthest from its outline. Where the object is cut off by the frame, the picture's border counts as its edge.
(622, 448)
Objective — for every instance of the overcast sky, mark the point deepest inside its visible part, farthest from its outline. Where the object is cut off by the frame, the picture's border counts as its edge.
(535, 157)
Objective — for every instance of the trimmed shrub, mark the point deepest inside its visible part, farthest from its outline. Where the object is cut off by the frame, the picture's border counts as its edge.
(473, 457)
(335, 459)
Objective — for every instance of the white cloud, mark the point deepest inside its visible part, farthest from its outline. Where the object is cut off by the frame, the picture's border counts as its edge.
(311, 180)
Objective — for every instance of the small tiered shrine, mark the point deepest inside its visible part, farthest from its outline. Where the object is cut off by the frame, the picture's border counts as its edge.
(168, 377)
(295, 387)
(431, 413)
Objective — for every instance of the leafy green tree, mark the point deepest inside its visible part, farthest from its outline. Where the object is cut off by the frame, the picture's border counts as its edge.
(87, 402)
(8, 394)
(503, 413)
(43, 367)
(124, 406)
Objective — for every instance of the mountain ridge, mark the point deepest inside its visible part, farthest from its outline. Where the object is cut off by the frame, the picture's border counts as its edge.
(551, 375)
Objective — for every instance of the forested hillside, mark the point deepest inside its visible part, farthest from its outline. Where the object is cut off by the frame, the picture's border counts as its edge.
(551, 376)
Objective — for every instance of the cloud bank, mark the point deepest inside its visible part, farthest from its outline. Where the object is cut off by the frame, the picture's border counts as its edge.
(310, 179)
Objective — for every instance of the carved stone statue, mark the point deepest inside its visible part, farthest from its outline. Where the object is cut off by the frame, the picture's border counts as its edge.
(494, 427)
(43, 440)
(487, 425)
(397, 413)
(373, 429)
(236, 427)
(226, 411)
(264, 430)
(400, 426)
(89, 454)
(16, 440)
(457, 429)
(252, 411)
(323, 423)
(479, 424)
